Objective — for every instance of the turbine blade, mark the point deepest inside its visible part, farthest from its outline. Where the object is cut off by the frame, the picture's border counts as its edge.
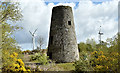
(30, 33)
(35, 31)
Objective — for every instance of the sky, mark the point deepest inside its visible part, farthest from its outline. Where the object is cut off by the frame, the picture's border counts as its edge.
(89, 15)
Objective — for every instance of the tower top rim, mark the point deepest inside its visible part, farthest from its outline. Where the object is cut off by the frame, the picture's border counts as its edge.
(61, 6)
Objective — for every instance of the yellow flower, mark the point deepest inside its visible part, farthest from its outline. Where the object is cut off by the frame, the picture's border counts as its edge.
(6, 52)
(103, 56)
(101, 52)
(15, 59)
(98, 59)
(15, 54)
(16, 69)
(28, 69)
(117, 54)
(20, 61)
(99, 66)
(107, 67)
(94, 52)
(106, 58)
(11, 56)
(23, 68)
(15, 65)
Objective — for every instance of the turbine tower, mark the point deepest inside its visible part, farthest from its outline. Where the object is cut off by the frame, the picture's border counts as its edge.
(33, 38)
(100, 33)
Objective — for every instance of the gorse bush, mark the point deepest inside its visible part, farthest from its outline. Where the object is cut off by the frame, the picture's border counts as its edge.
(27, 51)
(41, 58)
(97, 61)
(14, 64)
(99, 57)
(105, 61)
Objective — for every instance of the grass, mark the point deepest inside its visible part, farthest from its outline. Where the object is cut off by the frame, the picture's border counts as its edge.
(66, 66)
(58, 67)
(52, 66)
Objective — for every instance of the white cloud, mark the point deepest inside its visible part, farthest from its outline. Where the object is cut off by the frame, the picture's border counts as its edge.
(38, 15)
(87, 16)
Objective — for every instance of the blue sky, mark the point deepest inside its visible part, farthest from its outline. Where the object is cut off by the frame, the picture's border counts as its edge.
(88, 16)
(76, 3)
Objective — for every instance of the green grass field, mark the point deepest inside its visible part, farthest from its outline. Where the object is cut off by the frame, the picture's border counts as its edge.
(58, 67)
(52, 66)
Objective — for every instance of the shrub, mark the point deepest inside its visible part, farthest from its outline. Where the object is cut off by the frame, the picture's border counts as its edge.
(36, 51)
(27, 51)
(84, 63)
(14, 64)
(105, 61)
(41, 58)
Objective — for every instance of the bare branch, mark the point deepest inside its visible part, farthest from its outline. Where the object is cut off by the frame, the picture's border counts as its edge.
(40, 41)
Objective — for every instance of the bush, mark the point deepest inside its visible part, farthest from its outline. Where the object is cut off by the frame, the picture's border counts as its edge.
(14, 64)
(105, 61)
(41, 58)
(36, 51)
(97, 61)
(26, 52)
(84, 63)
(99, 57)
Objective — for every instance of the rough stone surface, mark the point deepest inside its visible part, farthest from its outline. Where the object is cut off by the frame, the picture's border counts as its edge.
(62, 40)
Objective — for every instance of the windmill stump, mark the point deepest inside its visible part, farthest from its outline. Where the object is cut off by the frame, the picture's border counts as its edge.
(62, 45)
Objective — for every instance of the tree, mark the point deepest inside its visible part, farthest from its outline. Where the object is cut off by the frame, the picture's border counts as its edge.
(40, 41)
(91, 42)
(82, 46)
(9, 13)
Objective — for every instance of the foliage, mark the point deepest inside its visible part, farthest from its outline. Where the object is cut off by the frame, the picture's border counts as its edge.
(85, 47)
(9, 14)
(41, 58)
(35, 50)
(91, 42)
(82, 47)
(101, 57)
(9, 11)
(84, 63)
(105, 61)
(14, 64)
(27, 51)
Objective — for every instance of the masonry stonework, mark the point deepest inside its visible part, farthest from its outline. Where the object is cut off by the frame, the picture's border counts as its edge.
(62, 45)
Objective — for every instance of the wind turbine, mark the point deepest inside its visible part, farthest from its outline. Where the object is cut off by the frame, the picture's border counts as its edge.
(100, 33)
(33, 38)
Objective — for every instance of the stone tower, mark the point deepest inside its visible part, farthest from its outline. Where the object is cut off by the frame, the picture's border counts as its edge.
(62, 45)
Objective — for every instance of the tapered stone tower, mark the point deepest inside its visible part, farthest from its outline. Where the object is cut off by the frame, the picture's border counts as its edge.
(62, 45)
